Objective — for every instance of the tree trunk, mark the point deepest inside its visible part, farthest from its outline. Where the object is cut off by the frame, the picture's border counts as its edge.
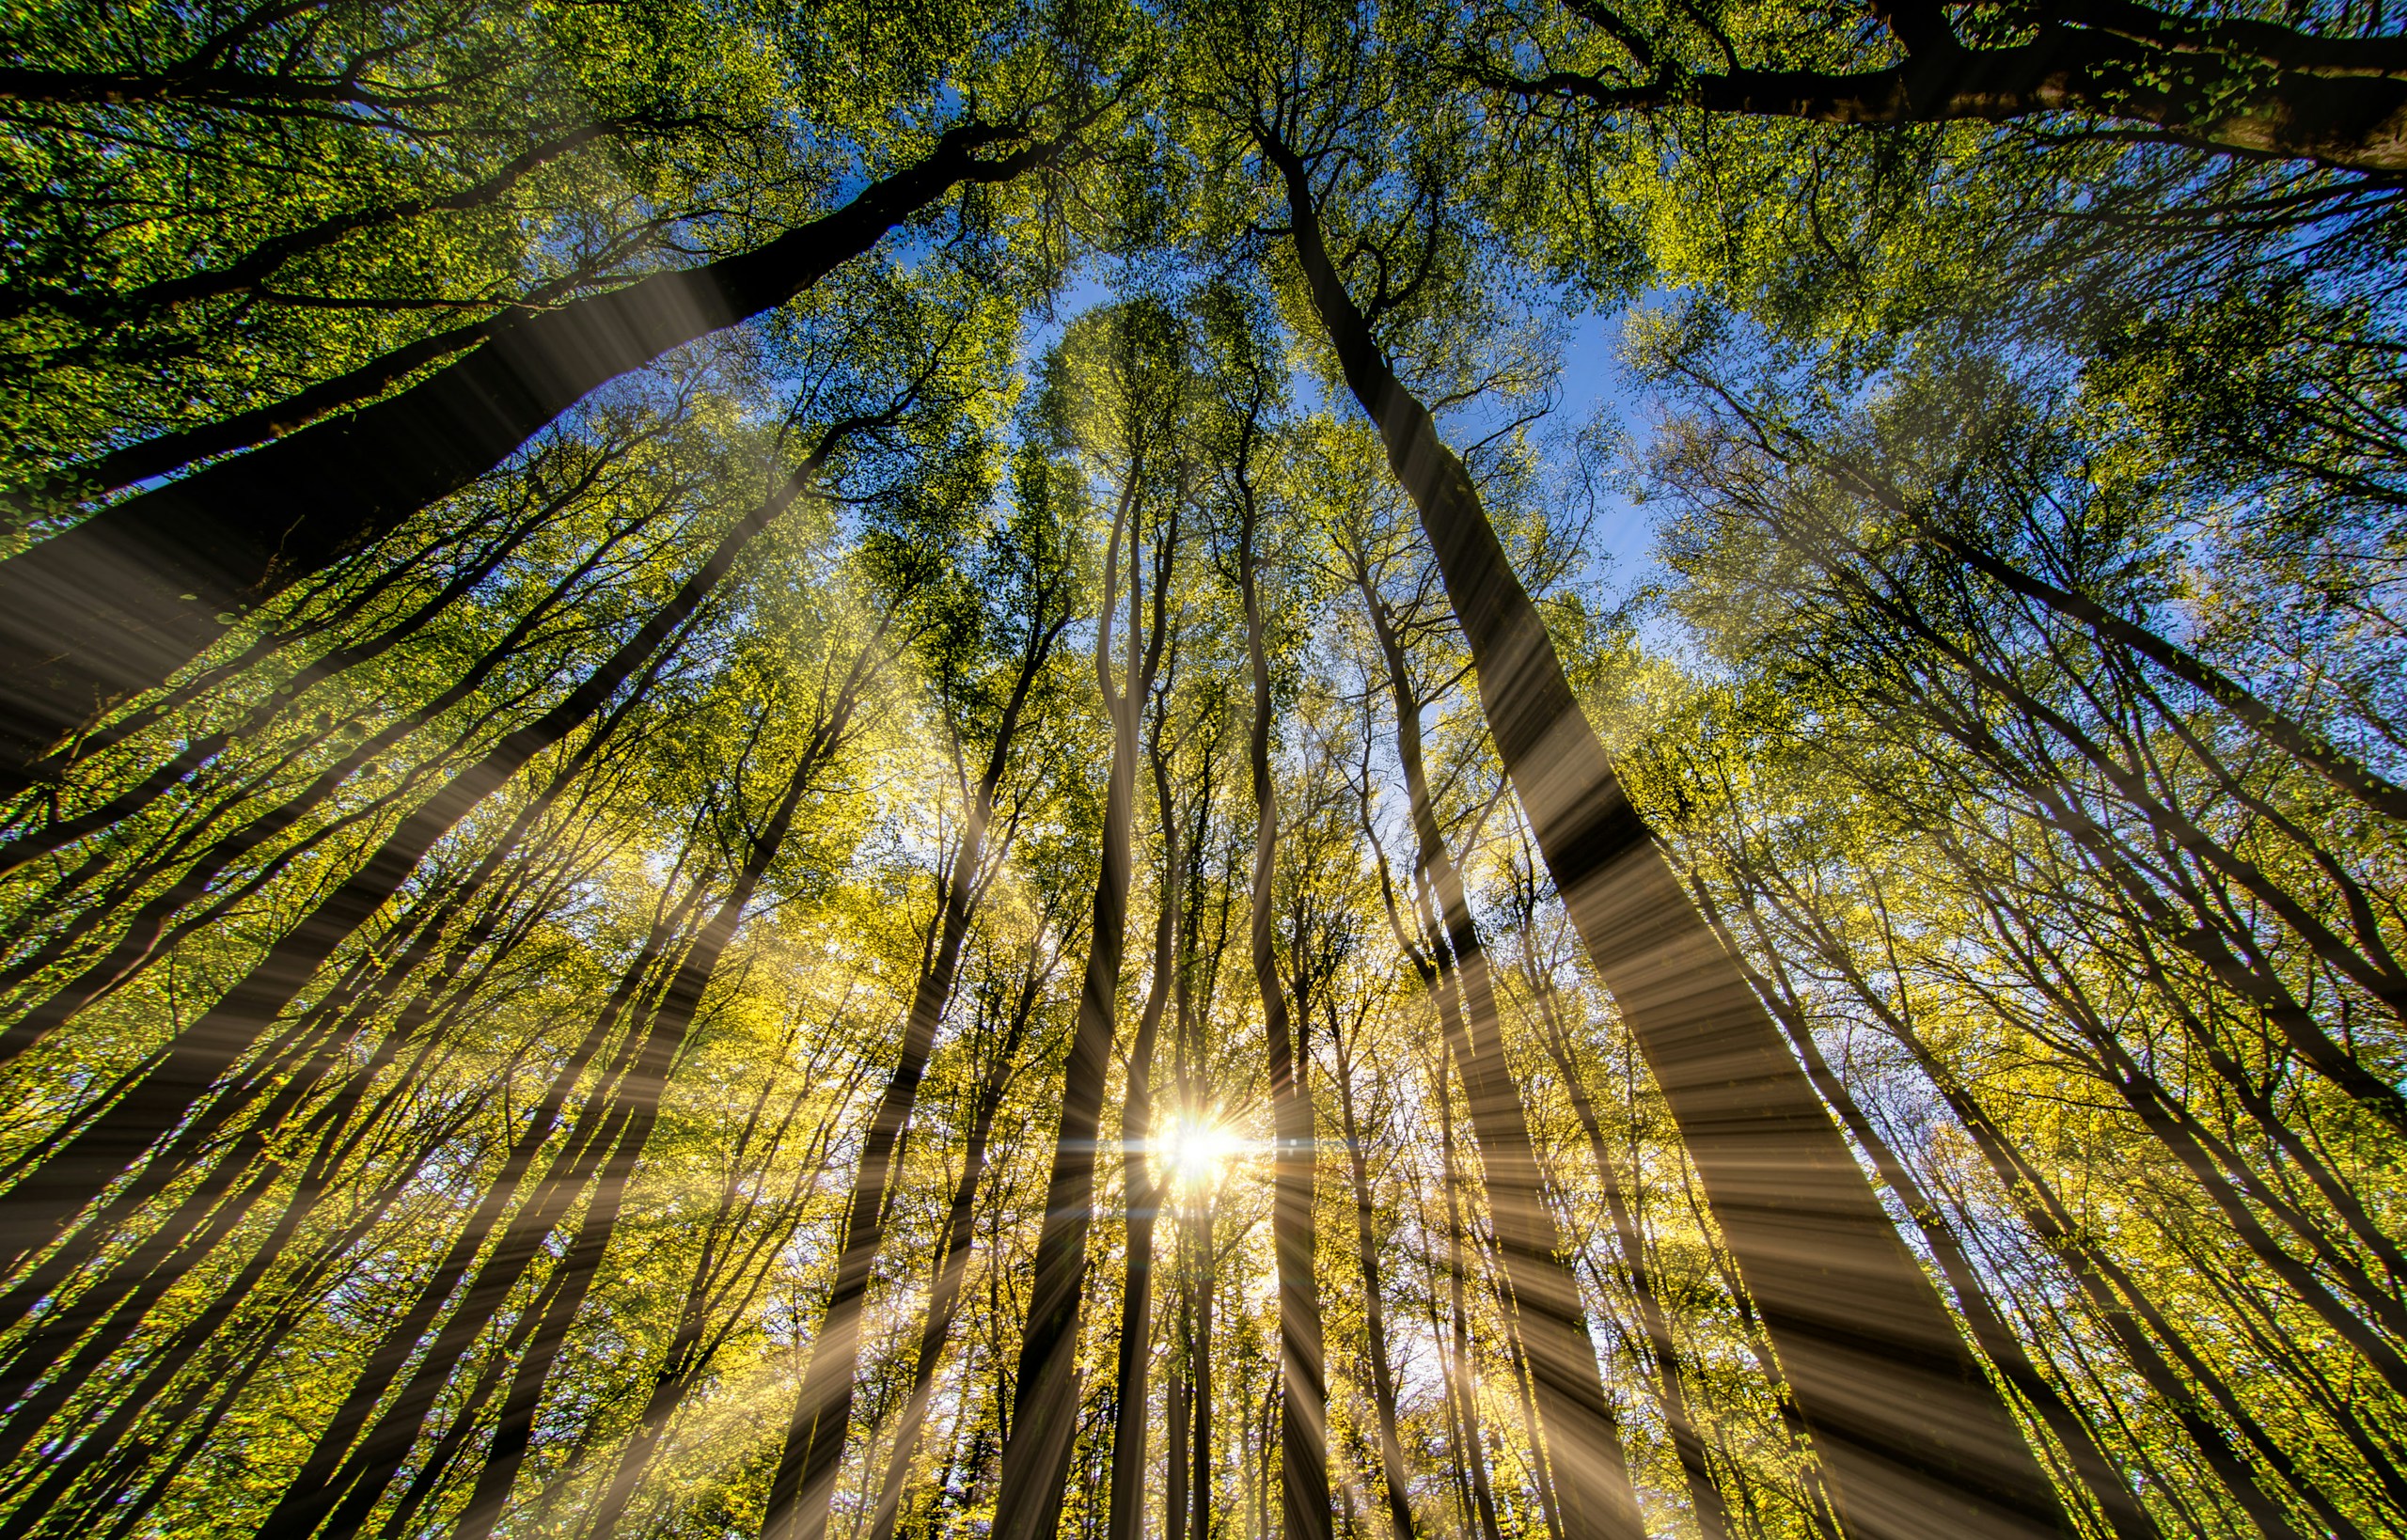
(1139, 1184)
(341, 1485)
(1303, 1422)
(1177, 1405)
(1462, 1370)
(804, 1484)
(953, 1259)
(1046, 1391)
(1207, 1279)
(1547, 1319)
(1374, 1311)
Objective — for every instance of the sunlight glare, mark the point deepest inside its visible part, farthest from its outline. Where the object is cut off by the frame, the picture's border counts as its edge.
(1196, 1152)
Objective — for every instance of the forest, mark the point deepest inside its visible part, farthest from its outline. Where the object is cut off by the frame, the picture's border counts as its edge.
(1203, 770)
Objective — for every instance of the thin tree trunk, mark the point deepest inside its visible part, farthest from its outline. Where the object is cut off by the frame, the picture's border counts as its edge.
(1462, 1370)
(2369, 963)
(33, 843)
(1046, 1391)
(952, 1258)
(1547, 1317)
(1140, 1185)
(1374, 1312)
(1303, 1424)
(1206, 1293)
(341, 1485)
(1177, 1405)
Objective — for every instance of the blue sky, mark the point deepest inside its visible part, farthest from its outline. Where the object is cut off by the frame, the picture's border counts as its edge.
(1593, 381)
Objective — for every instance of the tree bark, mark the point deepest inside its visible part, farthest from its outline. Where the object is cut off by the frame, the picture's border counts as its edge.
(1374, 1311)
(1547, 1319)
(1140, 1184)
(337, 1501)
(2332, 101)
(1303, 1421)
(952, 1258)
(1046, 1391)
(1462, 1372)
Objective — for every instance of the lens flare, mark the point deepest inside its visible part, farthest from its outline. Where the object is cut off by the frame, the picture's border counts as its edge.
(1195, 1153)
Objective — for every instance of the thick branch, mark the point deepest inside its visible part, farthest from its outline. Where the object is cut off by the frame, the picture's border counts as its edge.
(2251, 89)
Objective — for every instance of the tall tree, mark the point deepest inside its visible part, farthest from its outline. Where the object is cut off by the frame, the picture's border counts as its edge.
(1901, 1413)
(1303, 1414)
(1545, 1314)
(1140, 1182)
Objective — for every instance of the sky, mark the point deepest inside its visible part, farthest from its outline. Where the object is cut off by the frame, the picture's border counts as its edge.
(1593, 380)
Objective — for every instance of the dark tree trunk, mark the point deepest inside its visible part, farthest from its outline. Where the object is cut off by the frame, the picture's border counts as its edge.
(1177, 1405)
(2233, 85)
(1046, 1392)
(1205, 1278)
(953, 1257)
(341, 1499)
(805, 1481)
(1139, 1183)
(1688, 1445)
(1470, 1451)
(1374, 1311)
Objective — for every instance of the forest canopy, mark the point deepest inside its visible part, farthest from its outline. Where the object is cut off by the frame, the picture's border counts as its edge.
(1532, 770)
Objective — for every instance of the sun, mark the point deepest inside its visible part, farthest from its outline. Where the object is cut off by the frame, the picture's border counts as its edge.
(1195, 1152)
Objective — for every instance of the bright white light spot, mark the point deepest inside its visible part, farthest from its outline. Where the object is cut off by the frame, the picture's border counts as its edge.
(1195, 1153)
